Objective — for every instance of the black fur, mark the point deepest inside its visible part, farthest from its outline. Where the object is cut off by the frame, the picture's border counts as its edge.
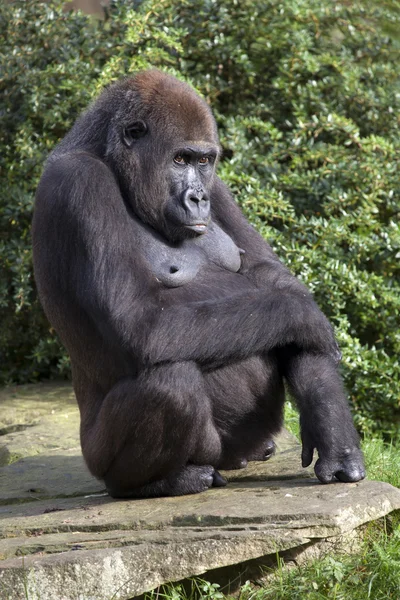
(180, 321)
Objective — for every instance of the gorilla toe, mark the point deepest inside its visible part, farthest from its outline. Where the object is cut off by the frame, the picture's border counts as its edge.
(218, 480)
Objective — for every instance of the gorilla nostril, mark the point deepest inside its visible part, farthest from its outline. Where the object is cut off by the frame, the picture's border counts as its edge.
(195, 201)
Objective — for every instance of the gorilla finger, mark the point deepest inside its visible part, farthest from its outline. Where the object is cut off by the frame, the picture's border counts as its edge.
(324, 471)
(307, 455)
(337, 355)
(218, 480)
(350, 475)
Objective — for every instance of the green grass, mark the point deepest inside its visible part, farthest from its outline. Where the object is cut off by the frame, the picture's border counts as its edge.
(373, 573)
(382, 461)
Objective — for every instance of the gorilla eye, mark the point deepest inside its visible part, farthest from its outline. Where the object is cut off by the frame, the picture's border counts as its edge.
(204, 160)
(179, 160)
(133, 132)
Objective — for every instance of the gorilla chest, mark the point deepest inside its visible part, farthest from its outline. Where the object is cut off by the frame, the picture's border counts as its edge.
(178, 265)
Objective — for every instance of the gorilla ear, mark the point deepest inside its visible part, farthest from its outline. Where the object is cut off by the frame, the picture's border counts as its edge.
(133, 132)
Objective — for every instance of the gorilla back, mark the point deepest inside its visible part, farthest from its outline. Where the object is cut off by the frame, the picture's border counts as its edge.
(180, 321)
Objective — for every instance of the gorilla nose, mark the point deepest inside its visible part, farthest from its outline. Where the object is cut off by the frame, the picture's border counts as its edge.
(196, 204)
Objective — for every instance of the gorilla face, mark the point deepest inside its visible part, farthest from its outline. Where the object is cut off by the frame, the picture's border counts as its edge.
(183, 175)
(190, 174)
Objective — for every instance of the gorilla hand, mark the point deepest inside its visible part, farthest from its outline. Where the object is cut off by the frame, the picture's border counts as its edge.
(346, 464)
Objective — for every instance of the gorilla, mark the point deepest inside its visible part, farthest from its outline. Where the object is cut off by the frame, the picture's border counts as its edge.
(181, 323)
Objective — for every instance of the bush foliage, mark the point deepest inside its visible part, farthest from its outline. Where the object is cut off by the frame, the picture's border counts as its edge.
(307, 97)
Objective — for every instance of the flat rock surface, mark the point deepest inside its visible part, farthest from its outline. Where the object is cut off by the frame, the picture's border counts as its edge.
(63, 538)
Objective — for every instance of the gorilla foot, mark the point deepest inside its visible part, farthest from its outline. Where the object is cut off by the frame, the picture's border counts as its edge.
(192, 479)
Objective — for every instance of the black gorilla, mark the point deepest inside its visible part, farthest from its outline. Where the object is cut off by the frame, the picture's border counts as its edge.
(180, 321)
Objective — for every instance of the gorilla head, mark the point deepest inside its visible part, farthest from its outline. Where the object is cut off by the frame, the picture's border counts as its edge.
(162, 143)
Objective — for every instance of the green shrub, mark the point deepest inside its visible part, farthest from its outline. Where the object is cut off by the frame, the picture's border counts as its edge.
(307, 98)
(53, 63)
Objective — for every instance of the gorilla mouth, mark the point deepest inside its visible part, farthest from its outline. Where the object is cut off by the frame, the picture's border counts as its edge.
(197, 227)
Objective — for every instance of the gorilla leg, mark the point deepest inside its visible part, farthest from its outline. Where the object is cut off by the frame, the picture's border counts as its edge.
(247, 399)
(325, 418)
(147, 431)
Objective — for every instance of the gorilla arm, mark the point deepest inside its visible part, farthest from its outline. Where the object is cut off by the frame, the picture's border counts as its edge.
(326, 422)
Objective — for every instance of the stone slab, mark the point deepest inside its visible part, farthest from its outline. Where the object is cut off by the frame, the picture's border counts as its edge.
(63, 538)
(35, 419)
(24, 405)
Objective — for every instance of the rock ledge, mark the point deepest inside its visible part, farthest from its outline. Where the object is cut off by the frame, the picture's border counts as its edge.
(63, 538)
